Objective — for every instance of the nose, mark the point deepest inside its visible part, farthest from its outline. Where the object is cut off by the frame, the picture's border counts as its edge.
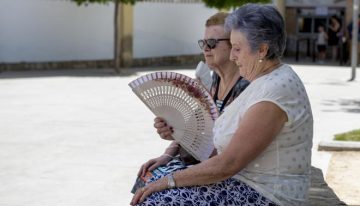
(206, 48)
(232, 56)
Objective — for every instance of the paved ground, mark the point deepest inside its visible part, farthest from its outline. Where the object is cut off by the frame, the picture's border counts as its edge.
(77, 138)
(343, 176)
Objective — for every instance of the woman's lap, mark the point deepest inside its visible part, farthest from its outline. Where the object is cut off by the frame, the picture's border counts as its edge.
(227, 192)
(171, 167)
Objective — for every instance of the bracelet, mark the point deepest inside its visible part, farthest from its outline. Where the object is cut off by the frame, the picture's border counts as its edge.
(170, 181)
(167, 155)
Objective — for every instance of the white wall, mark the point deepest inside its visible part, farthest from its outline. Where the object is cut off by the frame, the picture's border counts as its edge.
(54, 30)
(59, 30)
(166, 29)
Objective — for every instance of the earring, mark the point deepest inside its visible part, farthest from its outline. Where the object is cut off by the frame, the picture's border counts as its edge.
(260, 60)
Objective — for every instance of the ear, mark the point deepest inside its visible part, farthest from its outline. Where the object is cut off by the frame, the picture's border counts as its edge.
(263, 50)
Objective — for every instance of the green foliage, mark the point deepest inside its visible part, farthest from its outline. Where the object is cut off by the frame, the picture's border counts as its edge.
(81, 2)
(228, 4)
(349, 136)
(219, 4)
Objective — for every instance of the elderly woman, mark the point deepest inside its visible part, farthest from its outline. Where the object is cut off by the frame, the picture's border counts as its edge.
(227, 85)
(264, 136)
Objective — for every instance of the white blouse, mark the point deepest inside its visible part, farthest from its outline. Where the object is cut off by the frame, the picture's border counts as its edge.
(282, 171)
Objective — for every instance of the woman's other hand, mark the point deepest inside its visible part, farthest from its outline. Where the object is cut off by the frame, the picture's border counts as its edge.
(142, 193)
(153, 163)
(165, 131)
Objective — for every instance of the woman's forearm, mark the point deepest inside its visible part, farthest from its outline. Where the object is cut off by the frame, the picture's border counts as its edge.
(206, 172)
(172, 149)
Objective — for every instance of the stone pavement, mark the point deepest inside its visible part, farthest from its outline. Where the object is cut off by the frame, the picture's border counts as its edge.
(78, 137)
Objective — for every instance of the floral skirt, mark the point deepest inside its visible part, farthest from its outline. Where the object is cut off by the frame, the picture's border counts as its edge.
(224, 193)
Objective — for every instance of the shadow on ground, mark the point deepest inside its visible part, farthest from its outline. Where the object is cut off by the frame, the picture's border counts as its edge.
(337, 83)
(108, 72)
(343, 105)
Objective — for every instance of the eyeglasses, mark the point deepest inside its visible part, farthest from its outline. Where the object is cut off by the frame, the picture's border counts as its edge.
(210, 43)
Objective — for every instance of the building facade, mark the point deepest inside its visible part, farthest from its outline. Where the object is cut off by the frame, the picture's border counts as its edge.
(47, 31)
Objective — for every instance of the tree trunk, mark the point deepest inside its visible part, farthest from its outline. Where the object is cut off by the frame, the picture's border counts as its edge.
(117, 37)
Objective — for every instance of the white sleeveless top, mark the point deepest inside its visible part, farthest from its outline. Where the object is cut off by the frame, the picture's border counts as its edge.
(282, 171)
(321, 40)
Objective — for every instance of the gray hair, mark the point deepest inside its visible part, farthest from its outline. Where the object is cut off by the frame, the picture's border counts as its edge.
(261, 24)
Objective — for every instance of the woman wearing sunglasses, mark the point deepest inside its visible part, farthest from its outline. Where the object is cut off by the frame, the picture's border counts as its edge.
(227, 84)
(263, 138)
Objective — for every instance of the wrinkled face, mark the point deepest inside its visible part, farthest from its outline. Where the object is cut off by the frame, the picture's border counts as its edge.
(241, 54)
(219, 55)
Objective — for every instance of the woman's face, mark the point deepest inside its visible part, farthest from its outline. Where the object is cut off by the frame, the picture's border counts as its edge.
(241, 54)
(219, 55)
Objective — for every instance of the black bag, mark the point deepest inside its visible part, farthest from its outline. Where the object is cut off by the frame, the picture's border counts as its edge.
(187, 158)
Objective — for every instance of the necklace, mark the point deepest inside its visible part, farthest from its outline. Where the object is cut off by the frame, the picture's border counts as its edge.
(221, 102)
(222, 92)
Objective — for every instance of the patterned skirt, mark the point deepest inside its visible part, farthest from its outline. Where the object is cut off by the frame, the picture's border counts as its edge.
(225, 193)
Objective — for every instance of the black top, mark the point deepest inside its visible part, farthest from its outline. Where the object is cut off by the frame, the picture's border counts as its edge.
(239, 86)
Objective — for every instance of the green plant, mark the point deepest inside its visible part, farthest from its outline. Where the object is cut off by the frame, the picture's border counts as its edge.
(228, 4)
(80, 2)
(353, 135)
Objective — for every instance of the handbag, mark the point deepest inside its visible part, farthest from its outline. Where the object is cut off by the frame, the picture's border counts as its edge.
(187, 158)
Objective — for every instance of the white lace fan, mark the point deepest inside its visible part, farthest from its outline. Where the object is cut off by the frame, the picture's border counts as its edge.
(185, 105)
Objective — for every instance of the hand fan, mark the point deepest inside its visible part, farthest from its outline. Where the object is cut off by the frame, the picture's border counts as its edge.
(185, 105)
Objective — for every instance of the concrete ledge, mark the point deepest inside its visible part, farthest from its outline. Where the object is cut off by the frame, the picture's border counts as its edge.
(320, 193)
(105, 63)
(339, 146)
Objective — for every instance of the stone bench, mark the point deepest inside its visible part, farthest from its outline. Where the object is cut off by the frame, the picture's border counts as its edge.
(320, 193)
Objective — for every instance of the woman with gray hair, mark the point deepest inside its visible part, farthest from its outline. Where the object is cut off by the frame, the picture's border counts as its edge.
(264, 136)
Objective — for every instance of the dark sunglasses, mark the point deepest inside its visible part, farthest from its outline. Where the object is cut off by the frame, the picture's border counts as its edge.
(210, 43)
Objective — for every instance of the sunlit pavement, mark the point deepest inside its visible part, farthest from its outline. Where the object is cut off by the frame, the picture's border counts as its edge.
(78, 137)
